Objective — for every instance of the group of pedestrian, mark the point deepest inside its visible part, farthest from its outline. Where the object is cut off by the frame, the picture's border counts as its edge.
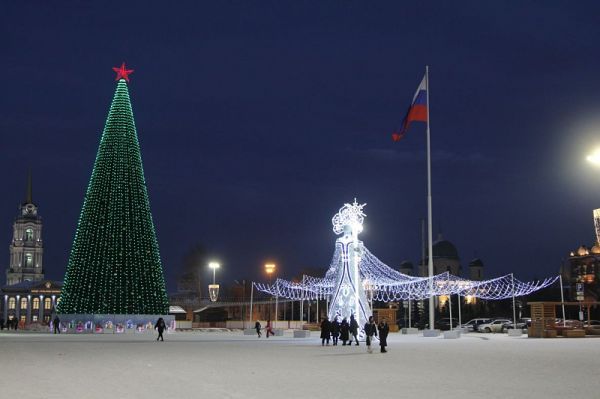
(268, 328)
(335, 330)
(10, 324)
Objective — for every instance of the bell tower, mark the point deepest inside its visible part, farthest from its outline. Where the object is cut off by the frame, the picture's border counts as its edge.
(26, 248)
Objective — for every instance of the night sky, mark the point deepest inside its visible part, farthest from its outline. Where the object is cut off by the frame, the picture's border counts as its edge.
(259, 120)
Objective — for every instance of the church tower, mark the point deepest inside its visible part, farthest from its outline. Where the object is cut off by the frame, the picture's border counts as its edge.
(26, 249)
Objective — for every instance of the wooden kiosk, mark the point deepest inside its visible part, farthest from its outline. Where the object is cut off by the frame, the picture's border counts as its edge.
(543, 320)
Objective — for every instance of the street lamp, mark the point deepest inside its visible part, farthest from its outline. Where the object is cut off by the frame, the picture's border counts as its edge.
(594, 157)
(270, 270)
(213, 289)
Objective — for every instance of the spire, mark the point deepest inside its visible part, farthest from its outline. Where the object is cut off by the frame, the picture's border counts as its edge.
(28, 198)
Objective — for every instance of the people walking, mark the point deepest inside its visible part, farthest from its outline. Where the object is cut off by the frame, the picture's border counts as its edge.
(353, 329)
(335, 330)
(258, 327)
(160, 326)
(269, 328)
(56, 324)
(370, 331)
(384, 329)
(325, 331)
(344, 331)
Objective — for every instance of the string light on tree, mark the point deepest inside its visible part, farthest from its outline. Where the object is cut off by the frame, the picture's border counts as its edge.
(114, 266)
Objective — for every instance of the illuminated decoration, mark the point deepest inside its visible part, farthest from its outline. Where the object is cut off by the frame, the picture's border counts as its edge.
(122, 72)
(213, 292)
(213, 289)
(597, 225)
(354, 270)
(114, 266)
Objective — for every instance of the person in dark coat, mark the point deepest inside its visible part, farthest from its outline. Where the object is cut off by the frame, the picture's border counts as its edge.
(384, 329)
(344, 331)
(353, 329)
(325, 331)
(257, 326)
(1, 324)
(56, 324)
(160, 326)
(335, 330)
(370, 331)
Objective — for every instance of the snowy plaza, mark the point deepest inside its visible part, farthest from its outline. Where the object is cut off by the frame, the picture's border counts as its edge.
(223, 364)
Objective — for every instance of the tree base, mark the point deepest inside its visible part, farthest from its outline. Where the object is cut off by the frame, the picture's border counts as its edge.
(112, 323)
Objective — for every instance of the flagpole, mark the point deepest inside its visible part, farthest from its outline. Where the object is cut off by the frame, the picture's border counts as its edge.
(429, 223)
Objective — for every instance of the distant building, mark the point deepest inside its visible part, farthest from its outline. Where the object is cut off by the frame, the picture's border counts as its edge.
(446, 259)
(26, 249)
(27, 296)
(584, 267)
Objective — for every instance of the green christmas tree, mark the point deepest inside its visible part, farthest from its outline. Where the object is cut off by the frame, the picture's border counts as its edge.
(114, 266)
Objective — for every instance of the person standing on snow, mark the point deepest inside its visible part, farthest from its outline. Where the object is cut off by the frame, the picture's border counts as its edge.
(325, 331)
(384, 329)
(160, 326)
(370, 331)
(344, 331)
(335, 330)
(353, 329)
(269, 328)
(56, 324)
(257, 326)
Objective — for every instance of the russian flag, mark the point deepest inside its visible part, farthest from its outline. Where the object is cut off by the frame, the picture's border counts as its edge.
(417, 112)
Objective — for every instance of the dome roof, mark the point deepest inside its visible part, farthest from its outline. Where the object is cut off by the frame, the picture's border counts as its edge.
(595, 249)
(582, 251)
(476, 263)
(444, 249)
(406, 264)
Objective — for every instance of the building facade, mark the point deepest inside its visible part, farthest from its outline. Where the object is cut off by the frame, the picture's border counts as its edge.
(30, 301)
(583, 268)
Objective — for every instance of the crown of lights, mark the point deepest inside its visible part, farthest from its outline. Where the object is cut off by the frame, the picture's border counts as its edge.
(349, 215)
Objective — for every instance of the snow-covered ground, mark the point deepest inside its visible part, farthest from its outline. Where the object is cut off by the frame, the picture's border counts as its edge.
(231, 365)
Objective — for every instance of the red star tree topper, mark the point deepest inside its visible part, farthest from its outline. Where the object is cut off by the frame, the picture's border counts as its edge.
(123, 72)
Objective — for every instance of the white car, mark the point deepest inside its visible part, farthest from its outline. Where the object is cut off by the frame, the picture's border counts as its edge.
(472, 324)
(493, 326)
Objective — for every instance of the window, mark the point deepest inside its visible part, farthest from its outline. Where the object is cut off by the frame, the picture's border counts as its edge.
(36, 303)
(29, 235)
(28, 260)
(47, 303)
(34, 318)
(23, 318)
(47, 318)
(23, 303)
(12, 302)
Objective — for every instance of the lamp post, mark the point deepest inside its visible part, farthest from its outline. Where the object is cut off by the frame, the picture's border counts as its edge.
(213, 289)
(270, 269)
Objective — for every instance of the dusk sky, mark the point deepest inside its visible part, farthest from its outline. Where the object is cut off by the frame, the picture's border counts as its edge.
(258, 120)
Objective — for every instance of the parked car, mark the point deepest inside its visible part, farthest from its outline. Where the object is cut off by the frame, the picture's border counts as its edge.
(568, 323)
(522, 324)
(444, 324)
(495, 326)
(472, 324)
(592, 323)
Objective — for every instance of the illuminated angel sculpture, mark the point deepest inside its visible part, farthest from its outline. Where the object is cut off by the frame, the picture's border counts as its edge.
(348, 295)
